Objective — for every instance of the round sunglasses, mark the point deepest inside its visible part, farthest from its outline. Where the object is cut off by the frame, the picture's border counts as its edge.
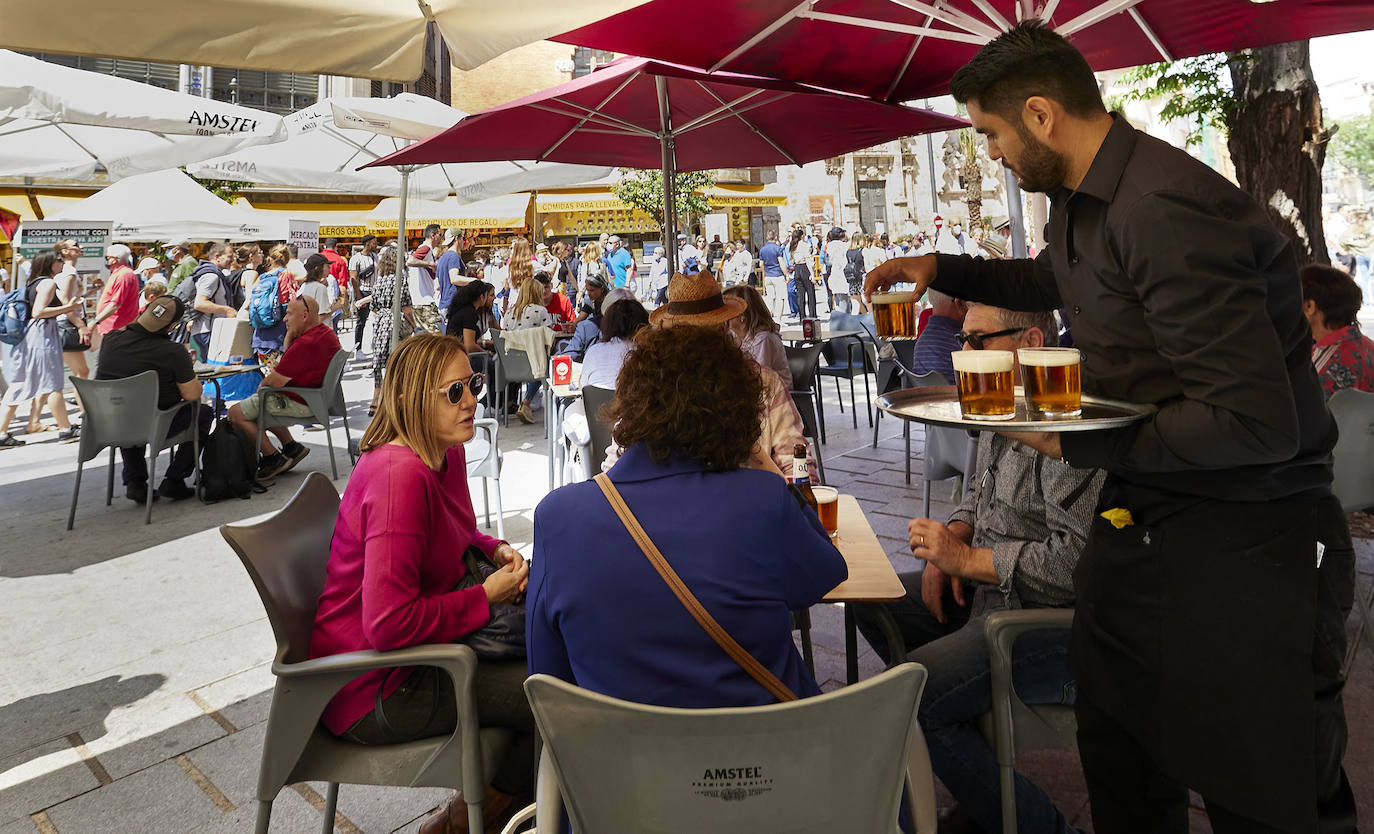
(474, 383)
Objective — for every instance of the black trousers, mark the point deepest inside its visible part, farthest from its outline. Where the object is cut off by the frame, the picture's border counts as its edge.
(425, 706)
(183, 460)
(806, 290)
(1208, 649)
(362, 319)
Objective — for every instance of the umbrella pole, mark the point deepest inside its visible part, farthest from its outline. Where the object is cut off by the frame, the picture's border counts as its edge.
(400, 258)
(667, 141)
(1015, 216)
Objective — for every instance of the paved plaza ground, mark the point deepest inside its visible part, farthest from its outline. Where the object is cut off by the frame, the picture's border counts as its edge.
(136, 675)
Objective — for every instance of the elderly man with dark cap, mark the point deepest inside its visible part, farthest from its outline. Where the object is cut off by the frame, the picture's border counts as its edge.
(143, 346)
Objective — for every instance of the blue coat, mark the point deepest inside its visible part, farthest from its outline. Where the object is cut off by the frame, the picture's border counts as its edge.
(601, 617)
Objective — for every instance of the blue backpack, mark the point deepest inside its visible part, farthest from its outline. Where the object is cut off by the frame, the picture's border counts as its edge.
(15, 309)
(263, 309)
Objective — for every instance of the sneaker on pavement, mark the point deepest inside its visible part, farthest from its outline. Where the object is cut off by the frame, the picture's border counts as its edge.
(294, 452)
(174, 489)
(69, 435)
(9, 441)
(271, 466)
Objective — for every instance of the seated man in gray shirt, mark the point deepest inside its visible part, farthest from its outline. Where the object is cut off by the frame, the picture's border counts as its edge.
(1012, 543)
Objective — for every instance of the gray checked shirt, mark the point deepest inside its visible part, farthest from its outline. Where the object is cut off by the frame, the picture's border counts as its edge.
(1034, 512)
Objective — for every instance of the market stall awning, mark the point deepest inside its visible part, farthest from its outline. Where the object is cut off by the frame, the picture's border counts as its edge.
(18, 202)
(509, 211)
(736, 196)
(336, 220)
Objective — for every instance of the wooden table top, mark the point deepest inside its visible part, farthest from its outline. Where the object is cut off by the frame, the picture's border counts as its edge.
(225, 371)
(871, 576)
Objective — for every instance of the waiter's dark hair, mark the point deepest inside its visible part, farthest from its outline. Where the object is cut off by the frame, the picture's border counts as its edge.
(1335, 293)
(1030, 59)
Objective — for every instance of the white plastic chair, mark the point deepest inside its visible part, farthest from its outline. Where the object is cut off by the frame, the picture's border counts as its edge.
(621, 766)
(484, 461)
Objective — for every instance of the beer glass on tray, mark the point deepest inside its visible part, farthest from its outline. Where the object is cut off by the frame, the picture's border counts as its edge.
(984, 380)
(1052, 378)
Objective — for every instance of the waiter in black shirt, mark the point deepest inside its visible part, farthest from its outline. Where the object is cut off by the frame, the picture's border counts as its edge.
(1208, 620)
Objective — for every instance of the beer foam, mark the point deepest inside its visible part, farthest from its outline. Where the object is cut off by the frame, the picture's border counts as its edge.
(892, 297)
(1048, 357)
(982, 361)
(825, 494)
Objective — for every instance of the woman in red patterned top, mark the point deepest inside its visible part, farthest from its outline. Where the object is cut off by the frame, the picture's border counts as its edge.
(1342, 355)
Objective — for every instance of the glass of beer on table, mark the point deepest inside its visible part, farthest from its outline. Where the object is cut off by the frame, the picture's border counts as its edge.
(828, 508)
(986, 388)
(1053, 381)
(894, 314)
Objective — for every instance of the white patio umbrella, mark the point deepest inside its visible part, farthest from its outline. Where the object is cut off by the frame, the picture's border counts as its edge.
(63, 122)
(381, 39)
(333, 137)
(169, 205)
(329, 140)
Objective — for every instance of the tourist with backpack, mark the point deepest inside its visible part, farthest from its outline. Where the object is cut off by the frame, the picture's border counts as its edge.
(144, 346)
(34, 369)
(267, 307)
(212, 299)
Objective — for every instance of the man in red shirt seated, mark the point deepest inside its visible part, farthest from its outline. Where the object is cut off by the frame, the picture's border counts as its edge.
(310, 345)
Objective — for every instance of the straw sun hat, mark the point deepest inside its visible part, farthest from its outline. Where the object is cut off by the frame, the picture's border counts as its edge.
(696, 299)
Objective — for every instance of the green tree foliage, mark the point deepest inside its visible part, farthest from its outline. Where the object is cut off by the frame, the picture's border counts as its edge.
(1197, 90)
(226, 190)
(1352, 146)
(643, 189)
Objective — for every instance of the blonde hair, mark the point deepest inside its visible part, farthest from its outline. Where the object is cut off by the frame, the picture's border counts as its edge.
(279, 255)
(591, 253)
(154, 288)
(531, 292)
(521, 262)
(414, 373)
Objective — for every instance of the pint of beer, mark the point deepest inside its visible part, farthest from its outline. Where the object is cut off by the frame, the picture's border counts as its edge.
(986, 388)
(1052, 380)
(894, 313)
(828, 508)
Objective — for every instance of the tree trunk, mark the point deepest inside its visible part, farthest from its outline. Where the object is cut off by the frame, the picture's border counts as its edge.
(1278, 144)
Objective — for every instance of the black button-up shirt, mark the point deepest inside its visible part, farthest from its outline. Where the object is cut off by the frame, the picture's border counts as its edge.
(1183, 295)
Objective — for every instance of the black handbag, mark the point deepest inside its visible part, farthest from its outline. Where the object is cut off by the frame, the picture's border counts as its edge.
(70, 336)
(503, 637)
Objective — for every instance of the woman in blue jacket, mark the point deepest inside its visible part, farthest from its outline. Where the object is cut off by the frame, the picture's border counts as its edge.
(687, 412)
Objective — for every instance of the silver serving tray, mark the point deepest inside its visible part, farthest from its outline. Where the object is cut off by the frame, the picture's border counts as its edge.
(939, 406)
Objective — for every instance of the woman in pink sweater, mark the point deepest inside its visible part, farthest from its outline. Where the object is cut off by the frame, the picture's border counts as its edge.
(404, 523)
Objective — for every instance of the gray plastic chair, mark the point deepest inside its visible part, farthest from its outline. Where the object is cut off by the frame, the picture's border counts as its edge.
(325, 402)
(285, 555)
(512, 367)
(593, 399)
(124, 412)
(856, 358)
(1353, 474)
(1013, 726)
(859, 742)
(484, 461)
(803, 362)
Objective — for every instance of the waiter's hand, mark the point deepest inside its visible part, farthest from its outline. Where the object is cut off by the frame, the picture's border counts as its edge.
(919, 271)
(1046, 443)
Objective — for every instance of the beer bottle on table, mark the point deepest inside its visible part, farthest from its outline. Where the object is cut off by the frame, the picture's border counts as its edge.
(801, 478)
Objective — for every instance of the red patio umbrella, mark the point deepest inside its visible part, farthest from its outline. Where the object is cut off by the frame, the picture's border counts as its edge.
(647, 114)
(898, 50)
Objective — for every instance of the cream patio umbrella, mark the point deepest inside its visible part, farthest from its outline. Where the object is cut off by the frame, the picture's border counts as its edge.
(380, 39)
(61, 122)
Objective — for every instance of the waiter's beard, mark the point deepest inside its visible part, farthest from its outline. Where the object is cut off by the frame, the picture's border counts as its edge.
(1040, 168)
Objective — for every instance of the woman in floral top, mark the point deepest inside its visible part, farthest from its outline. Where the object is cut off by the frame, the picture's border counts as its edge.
(529, 312)
(1342, 355)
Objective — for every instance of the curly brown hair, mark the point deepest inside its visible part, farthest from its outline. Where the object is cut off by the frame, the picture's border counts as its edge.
(689, 392)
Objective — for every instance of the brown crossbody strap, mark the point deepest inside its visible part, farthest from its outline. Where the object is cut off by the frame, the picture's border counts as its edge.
(748, 662)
